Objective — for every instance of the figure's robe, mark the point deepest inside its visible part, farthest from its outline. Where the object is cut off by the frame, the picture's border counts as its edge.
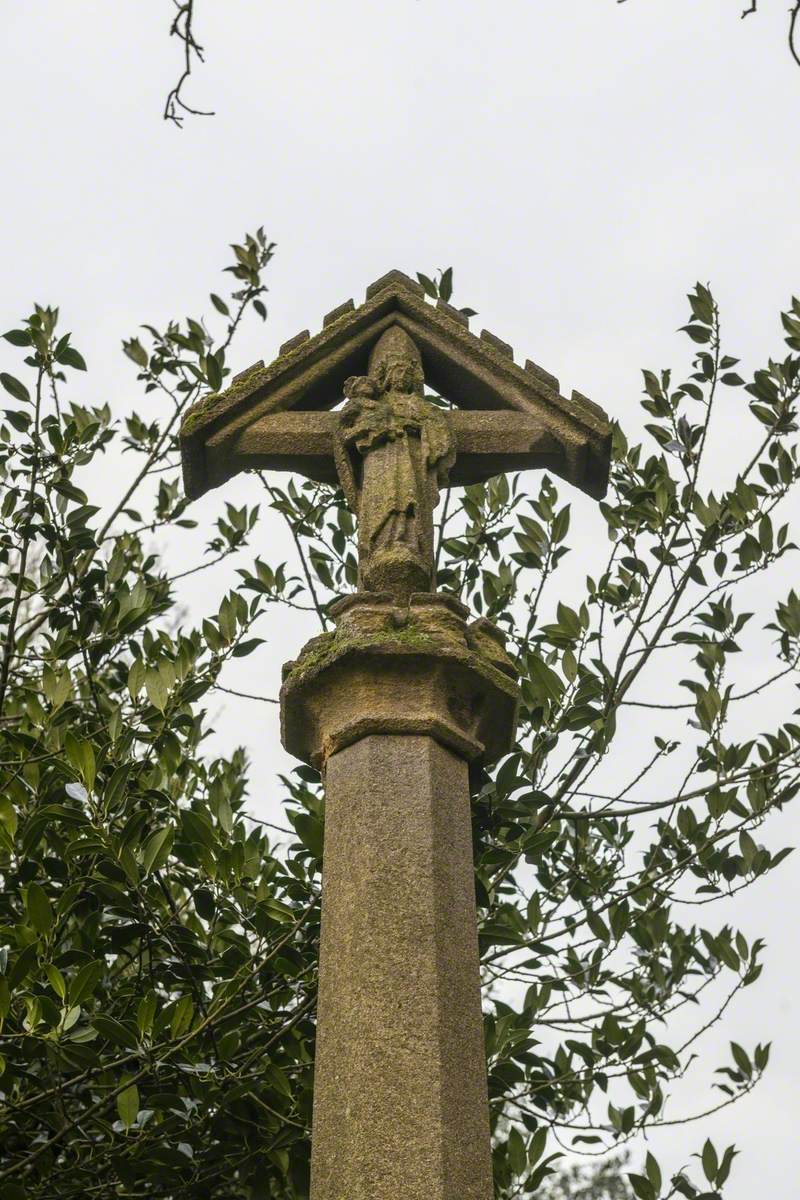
(404, 451)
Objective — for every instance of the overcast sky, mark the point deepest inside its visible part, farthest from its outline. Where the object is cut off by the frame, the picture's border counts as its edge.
(580, 164)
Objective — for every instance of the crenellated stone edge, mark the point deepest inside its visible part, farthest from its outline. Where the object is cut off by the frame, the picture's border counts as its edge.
(210, 409)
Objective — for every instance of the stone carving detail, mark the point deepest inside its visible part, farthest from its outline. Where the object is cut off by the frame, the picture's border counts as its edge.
(393, 451)
(401, 668)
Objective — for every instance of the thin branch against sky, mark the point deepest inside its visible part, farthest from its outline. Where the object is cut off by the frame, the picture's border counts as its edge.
(176, 108)
(182, 26)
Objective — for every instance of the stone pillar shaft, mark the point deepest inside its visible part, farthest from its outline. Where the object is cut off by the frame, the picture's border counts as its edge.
(400, 1097)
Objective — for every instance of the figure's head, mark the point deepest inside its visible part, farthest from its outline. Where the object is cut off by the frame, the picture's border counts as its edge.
(395, 363)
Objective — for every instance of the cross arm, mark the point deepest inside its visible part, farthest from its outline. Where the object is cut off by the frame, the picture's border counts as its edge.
(487, 443)
(300, 442)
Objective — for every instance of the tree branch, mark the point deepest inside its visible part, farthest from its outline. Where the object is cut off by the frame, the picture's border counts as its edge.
(181, 28)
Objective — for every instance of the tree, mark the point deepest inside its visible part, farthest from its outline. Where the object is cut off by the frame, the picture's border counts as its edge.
(158, 943)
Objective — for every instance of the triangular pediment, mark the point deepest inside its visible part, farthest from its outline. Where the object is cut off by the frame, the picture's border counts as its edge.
(472, 372)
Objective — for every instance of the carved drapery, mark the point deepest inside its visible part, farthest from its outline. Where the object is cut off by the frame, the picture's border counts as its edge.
(393, 452)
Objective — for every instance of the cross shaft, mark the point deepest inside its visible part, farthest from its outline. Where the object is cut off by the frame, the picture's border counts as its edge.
(395, 706)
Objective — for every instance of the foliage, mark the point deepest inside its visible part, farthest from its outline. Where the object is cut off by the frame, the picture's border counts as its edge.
(594, 1181)
(158, 946)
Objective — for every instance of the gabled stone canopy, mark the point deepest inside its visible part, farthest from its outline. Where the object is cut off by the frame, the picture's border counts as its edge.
(278, 417)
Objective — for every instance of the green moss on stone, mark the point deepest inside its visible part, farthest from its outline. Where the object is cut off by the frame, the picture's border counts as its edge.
(206, 408)
(325, 651)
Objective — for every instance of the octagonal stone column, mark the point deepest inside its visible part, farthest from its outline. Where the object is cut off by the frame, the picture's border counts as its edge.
(393, 707)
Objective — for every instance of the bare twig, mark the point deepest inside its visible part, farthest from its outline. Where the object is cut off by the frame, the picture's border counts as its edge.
(181, 27)
(794, 17)
(794, 20)
(244, 695)
(320, 611)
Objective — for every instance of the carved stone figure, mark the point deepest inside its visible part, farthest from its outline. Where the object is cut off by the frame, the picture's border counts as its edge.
(393, 450)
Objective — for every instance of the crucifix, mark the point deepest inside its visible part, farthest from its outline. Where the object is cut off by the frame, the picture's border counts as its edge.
(394, 706)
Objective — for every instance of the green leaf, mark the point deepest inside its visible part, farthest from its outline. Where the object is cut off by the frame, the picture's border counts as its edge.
(128, 1105)
(517, 1155)
(23, 965)
(56, 687)
(114, 1031)
(653, 1172)
(537, 1146)
(182, 1017)
(88, 766)
(39, 908)
(71, 357)
(204, 903)
(156, 688)
(8, 816)
(136, 674)
(145, 1012)
(741, 1059)
(70, 1017)
(156, 849)
(598, 926)
(213, 372)
(242, 649)
(136, 352)
(220, 305)
(642, 1187)
(18, 337)
(85, 981)
(81, 755)
(709, 1161)
(18, 420)
(276, 1077)
(15, 388)
(698, 333)
(310, 831)
(56, 980)
(225, 816)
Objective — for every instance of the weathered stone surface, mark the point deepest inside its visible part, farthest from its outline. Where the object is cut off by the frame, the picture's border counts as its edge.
(486, 443)
(474, 373)
(401, 669)
(257, 366)
(455, 314)
(340, 311)
(400, 1105)
(543, 376)
(498, 343)
(393, 449)
(395, 279)
(294, 342)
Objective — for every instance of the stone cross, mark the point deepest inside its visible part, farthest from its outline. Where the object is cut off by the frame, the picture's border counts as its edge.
(394, 706)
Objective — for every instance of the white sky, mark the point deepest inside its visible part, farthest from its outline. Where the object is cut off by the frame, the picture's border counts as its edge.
(579, 163)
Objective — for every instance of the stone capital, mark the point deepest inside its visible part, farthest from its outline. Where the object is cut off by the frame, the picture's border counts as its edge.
(389, 668)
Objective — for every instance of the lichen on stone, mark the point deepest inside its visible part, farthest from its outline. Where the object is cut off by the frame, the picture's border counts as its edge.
(324, 649)
(202, 410)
